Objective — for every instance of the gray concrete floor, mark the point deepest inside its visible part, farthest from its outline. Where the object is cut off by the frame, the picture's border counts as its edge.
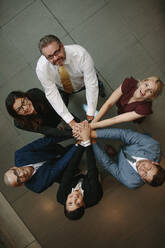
(125, 38)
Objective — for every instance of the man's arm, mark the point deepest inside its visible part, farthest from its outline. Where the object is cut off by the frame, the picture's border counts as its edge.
(107, 163)
(92, 169)
(33, 152)
(47, 174)
(48, 82)
(128, 136)
(72, 167)
(91, 83)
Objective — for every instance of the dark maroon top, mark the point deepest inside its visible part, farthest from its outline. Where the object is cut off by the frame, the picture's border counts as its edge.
(142, 108)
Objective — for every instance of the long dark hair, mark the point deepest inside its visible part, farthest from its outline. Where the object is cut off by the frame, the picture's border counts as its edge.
(28, 121)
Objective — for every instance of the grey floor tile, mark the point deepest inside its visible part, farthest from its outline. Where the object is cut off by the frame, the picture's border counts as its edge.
(72, 13)
(155, 123)
(127, 63)
(112, 34)
(8, 133)
(9, 9)
(36, 22)
(144, 23)
(12, 60)
(154, 44)
(131, 9)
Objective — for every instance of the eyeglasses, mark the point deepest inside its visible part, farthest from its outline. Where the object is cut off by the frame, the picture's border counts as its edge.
(20, 110)
(16, 174)
(56, 53)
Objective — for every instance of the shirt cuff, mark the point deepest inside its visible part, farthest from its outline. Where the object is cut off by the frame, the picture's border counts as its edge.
(67, 117)
(85, 143)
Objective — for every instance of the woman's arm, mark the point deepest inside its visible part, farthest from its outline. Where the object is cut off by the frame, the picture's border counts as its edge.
(126, 117)
(108, 104)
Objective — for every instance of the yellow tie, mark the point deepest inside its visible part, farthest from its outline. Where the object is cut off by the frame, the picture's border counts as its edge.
(65, 79)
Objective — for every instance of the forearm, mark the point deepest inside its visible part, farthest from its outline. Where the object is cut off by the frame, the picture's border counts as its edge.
(91, 162)
(109, 103)
(73, 165)
(63, 162)
(105, 161)
(102, 112)
(126, 117)
(91, 85)
(92, 99)
(59, 106)
(55, 132)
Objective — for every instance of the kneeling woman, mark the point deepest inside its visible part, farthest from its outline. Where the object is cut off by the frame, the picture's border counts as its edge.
(32, 112)
(133, 99)
(79, 192)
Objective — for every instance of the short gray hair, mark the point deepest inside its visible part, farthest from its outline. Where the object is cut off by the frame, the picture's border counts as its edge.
(46, 40)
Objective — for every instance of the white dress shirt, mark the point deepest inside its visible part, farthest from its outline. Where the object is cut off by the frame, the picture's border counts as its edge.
(78, 187)
(35, 166)
(80, 67)
(134, 164)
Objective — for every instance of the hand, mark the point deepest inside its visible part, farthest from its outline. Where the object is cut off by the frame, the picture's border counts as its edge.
(82, 132)
(76, 130)
(85, 131)
(72, 123)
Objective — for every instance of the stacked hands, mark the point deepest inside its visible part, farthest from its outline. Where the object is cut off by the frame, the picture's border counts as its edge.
(82, 131)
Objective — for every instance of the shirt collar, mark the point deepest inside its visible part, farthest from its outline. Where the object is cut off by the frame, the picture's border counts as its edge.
(69, 54)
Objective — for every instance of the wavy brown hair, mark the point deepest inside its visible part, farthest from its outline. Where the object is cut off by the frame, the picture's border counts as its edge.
(32, 121)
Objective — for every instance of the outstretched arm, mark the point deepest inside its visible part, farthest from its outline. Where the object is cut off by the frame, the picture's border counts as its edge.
(106, 162)
(126, 117)
(128, 137)
(108, 104)
(109, 165)
(49, 172)
(72, 167)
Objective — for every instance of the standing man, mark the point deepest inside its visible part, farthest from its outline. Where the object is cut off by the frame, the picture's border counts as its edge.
(64, 70)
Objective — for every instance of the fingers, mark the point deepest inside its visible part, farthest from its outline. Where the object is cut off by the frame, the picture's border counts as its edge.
(81, 131)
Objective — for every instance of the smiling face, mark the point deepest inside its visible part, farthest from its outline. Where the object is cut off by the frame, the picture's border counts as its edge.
(74, 201)
(19, 175)
(146, 89)
(55, 53)
(146, 169)
(23, 106)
